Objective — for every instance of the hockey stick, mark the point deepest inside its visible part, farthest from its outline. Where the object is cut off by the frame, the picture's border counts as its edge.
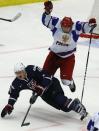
(23, 122)
(86, 69)
(87, 64)
(13, 19)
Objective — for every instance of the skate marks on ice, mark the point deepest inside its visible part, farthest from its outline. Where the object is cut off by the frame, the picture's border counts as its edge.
(75, 76)
(95, 44)
(49, 119)
(21, 50)
(1, 45)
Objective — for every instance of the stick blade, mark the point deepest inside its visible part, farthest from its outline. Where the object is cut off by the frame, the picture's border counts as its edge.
(16, 17)
(25, 124)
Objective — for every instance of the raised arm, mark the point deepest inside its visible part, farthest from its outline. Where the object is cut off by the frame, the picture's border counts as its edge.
(86, 27)
(48, 20)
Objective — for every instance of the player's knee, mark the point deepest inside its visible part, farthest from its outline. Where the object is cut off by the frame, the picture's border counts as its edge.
(66, 82)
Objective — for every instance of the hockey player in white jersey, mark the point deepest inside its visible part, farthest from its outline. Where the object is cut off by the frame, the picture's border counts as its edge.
(65, 33)
(93, 124)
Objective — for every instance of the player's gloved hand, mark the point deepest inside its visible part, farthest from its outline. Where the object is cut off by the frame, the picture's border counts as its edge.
(33, 98)
(7, 110)
(39, 90)
(92, 22)
(48, 6)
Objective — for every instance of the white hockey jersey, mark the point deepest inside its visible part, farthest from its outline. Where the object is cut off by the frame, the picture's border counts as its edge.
(93, 124)
(64, 44)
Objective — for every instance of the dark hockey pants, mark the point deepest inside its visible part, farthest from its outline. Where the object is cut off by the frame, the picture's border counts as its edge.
(55, 97)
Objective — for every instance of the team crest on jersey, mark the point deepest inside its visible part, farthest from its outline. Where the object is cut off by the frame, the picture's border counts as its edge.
(32, 84)
(66, 39)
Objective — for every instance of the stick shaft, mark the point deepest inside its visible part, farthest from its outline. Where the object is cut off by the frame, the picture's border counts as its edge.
(86, 69)
(26, 114)
(9, 20)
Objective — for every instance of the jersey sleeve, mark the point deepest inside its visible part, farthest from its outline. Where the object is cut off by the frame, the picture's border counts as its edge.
(96, 124)
(90, 125)
(41, 77)
(83, 27)
(14, 93)
(47, 79)
(93, 124)
(49, 21)
(79, 28)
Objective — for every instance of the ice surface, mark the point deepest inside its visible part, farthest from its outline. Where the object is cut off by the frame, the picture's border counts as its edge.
(27, 40)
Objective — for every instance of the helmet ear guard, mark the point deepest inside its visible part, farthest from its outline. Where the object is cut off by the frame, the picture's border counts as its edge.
(19, 67)
(67, 22)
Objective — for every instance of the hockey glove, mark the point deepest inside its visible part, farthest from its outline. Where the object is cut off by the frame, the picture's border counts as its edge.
(38, 89)
(7, 110)
(92, 21)
(33, 98)
(48, 6)
(92, 24)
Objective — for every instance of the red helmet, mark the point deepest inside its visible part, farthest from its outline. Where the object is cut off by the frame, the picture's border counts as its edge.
(67, 22)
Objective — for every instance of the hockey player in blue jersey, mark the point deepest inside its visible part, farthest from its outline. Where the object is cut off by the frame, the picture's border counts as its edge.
(65, 34)
(41, 84)
(93, 124)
